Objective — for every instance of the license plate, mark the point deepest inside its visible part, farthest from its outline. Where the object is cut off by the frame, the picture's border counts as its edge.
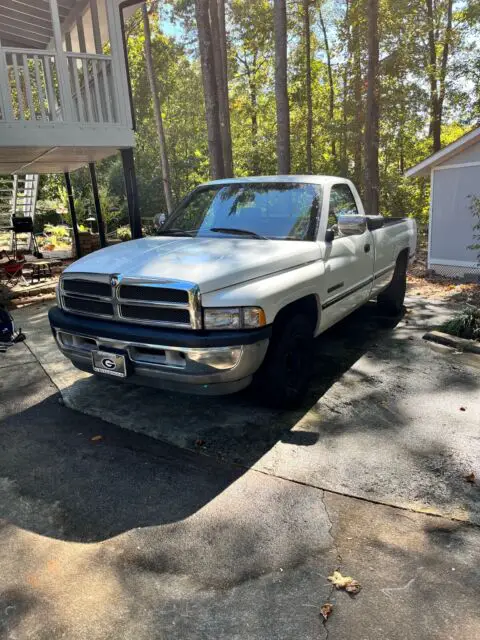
(111, 364)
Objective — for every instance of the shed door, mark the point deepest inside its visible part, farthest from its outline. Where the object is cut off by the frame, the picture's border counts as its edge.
(452, 220)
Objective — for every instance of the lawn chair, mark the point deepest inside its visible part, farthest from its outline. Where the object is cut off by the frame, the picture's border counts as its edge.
(11, 270)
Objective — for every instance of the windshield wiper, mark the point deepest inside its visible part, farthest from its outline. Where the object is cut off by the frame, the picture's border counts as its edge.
(238, 232)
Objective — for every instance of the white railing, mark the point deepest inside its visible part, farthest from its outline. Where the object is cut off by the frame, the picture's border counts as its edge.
(33, 87)
(30, 86)
(91, 87)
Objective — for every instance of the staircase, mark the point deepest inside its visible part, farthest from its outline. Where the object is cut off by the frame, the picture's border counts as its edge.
(18, 195)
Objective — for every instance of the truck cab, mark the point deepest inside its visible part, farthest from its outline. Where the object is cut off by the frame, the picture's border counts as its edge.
(239, 281)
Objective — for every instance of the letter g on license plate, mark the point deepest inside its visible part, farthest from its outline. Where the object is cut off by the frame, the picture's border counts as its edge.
(110, 364)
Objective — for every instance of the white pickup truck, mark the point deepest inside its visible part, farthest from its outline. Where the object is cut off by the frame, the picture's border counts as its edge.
(240, 280)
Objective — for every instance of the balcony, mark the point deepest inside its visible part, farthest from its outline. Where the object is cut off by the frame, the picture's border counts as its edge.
(61, 107)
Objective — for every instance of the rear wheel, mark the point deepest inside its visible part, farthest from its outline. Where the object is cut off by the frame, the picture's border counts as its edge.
(285, 374)
(391, 300)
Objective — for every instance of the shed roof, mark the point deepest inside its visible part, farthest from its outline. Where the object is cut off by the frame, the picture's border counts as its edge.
(423, 168)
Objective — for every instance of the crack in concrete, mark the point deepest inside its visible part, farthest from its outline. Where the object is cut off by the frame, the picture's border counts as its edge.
(43, 368)
(352, 496)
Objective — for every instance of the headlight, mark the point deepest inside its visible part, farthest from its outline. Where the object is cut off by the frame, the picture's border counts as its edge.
(234, 318)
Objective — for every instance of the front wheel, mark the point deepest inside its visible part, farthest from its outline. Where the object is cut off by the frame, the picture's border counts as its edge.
(391, 300)
(285, 374)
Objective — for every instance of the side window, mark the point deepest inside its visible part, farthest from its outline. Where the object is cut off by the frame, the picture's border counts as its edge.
(342, 202)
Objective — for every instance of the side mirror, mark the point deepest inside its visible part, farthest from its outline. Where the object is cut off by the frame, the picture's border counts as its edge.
(352, 225)
(159, 220)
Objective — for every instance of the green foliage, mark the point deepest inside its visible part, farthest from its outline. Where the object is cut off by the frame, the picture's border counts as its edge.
(44, 218)
(464, 325)
(124, 233)
(404, 100)
(57, 231)
(56, 235)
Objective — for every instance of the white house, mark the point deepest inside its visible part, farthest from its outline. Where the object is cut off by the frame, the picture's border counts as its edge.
(454, 177)
(64, 93)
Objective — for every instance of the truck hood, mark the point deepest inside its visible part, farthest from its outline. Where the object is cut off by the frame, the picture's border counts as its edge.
(211, 263)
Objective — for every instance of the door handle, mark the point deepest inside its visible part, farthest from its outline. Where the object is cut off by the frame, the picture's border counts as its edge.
(366, 248)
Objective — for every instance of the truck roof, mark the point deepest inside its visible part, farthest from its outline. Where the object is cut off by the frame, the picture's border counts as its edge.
(301, 179)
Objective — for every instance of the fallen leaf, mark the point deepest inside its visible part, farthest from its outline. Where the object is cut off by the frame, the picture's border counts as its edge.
(338, 580)
(344, 582)
(470, 478)
(326, 610)
(354, 587)
(96, 438)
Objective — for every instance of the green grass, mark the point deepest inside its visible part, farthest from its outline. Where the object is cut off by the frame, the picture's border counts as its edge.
(464, 325)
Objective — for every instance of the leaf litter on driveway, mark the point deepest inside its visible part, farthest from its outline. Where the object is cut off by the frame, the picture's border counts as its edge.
(326, 610)
(345, 582)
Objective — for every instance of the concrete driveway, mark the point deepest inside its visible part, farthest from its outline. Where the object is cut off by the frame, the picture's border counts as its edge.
(388, 419)
(136, 535)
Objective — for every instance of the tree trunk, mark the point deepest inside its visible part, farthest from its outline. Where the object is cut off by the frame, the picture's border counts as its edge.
(435, 125)
(217, 166)
(252, 86)
(157, 111)
(281, 92)
(357, 115)
(219, 38)
(308, 82)
(254, 128)
(372, 114)
(444, 66)
(331, 104)
(346, 69)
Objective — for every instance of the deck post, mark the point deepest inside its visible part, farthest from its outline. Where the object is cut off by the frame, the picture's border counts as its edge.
(66, 101)
(98, 209)
(132, 192)
(71, 206)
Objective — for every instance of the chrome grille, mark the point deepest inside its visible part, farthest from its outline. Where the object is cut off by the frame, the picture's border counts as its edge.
(168, 303)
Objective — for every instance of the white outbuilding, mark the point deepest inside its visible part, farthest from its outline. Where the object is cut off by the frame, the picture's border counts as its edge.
(454, 177)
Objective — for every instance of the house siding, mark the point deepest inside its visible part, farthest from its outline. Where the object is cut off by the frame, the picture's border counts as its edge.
(452, 220)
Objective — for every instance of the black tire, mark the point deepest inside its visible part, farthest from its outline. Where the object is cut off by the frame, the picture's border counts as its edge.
(391, 300)
(284, 377)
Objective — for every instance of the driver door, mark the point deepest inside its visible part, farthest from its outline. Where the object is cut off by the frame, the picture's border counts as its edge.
(348, 260)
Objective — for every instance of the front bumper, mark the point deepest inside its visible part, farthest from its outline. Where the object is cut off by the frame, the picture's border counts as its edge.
(202, 362)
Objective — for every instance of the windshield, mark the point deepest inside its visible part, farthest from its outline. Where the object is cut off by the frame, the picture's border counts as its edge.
(286, 211)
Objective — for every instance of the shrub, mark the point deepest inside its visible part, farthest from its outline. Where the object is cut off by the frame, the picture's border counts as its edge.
(465, 325)
(44, 218)
(124, 233)
(58, 231)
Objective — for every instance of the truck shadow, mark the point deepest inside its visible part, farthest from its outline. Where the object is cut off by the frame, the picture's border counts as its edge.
(235, 428)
